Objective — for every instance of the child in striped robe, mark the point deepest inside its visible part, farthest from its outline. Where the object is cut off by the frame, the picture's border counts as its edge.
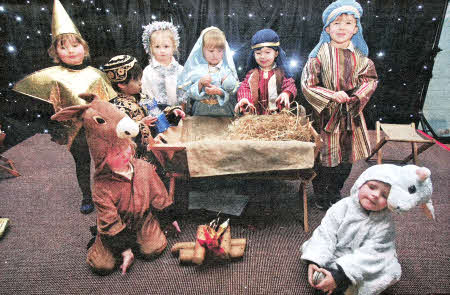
(268, 85)
(338, 81)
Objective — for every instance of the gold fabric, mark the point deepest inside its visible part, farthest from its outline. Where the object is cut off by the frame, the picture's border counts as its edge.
(210, 101)
(61, 21)
(61, 86)
(266, 44)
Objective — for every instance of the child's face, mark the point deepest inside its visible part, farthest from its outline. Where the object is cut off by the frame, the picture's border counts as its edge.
(213, 55)
(341, 30)
(373, 195)
(71, 52)
(265, 57)
(162, 47)
(132, 87)
(118, 159)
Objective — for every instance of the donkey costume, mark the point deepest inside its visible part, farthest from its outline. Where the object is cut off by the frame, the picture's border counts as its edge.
(124, 206)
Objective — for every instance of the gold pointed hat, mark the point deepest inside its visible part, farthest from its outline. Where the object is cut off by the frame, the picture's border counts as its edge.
(61, 22)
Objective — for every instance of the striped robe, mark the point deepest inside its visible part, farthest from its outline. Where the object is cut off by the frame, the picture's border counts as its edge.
(342, 126)
(258, 90)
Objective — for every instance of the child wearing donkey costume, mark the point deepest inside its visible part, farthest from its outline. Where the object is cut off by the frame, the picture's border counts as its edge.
(125, 191)
(338, 81)
(60, 85)
(268, 85)
(353, 249)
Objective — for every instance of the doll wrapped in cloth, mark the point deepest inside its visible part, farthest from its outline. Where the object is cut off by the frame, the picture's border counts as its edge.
(354, 246)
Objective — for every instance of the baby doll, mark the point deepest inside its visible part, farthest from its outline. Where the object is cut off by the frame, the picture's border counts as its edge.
(209, 76)
(355, 243)
(126, 190)
(338, 81)
(268, 85)
(159, 80)
(60, 85)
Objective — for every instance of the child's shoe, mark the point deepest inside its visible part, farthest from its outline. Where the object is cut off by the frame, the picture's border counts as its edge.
(87, 206)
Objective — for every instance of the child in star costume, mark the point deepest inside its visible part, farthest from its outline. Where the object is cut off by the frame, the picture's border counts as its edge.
(209, 76)
(338, 81)
(60, 85)
(159, 79)
(268, 85)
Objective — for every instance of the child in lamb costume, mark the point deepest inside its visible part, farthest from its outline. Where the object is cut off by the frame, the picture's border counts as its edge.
(354, 246)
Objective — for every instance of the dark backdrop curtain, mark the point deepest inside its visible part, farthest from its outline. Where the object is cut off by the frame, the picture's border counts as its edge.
(400, 35)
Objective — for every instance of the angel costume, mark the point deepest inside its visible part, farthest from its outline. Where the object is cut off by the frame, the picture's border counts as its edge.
(223, 75)
(160, 81)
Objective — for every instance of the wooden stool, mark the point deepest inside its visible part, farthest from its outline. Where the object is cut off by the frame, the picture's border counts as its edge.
(400, 133)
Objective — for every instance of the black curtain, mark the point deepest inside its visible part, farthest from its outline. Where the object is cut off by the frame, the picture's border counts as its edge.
(400, 34)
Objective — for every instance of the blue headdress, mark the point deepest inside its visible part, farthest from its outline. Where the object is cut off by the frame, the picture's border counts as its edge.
(334, 10)
(268, 38)
(196, 65)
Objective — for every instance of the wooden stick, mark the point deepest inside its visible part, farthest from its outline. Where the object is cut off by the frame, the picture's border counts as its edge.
(199, 251)
(237, 251)
(186, 255)
(190, 245)
(183, 245)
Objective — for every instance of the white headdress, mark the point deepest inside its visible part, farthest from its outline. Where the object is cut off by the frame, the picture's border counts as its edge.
(158, 26)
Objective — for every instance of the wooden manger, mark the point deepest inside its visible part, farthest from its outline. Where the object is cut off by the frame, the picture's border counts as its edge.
(200, 147)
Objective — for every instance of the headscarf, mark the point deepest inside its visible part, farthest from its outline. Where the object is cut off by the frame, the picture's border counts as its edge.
(196, 65)
(334, 10)
(268, 38)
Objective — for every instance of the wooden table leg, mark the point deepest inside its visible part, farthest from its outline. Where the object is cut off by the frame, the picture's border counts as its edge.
(305, 206)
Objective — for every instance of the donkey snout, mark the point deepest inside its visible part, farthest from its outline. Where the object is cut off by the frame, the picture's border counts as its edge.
(127, 128)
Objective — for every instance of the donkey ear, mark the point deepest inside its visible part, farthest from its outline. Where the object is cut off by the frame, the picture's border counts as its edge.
(70, 113)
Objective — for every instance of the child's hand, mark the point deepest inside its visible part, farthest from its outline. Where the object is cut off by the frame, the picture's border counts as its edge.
(244, 106)
(283, 100)
(213, 90)
(311, 269)
(340, 97)
(204, 81)
(149, 121)
(128, 258)
(327, 284)
(179, 113)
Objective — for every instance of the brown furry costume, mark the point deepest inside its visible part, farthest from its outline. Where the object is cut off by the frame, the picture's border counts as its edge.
(124, 206)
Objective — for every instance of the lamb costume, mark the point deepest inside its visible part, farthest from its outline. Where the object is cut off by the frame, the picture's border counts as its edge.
(362, 242)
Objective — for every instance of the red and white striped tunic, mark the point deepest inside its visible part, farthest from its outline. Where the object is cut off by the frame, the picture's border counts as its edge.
(334, 70)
